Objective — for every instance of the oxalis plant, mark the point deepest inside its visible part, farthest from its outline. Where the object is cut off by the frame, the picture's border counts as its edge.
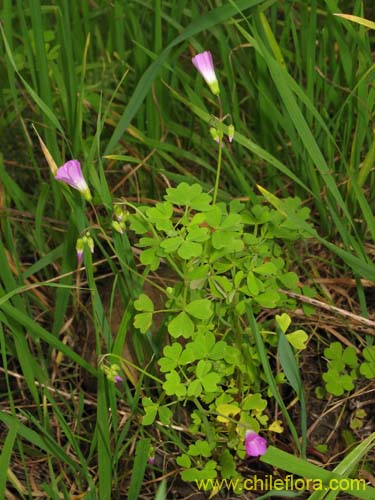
(223, 257)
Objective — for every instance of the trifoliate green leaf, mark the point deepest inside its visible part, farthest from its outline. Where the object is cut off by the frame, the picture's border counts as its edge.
(173, 385)
(200, 309)
(189, 249)
(181, 325)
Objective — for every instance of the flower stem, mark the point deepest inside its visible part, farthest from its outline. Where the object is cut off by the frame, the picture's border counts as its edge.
(219, 157)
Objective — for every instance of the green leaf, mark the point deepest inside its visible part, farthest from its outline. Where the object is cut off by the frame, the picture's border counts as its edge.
(210, 381)
(173, 385)
(298, 339)
(367, 369)
(268, 299)
(160, 216)
(171, 244)
(289, 280)
(265, 269)
(184, 461)
(194, 388)
(172, 355)
(228, 240)
(149, 258)
(254, 402)
(283, 321)
(181, 325)
(337, 384)
(200, 448)
(227, 463)
(213, 216)
(350, 357)
(253, 283)
(189, 249)
(144, 303)
(165, 415)
(143, 321)
(138, 225)
(150, 414)
(189, 195)
(198, 234)
(200, 309)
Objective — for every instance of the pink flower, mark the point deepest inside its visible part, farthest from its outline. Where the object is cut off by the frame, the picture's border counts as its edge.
(71, 174)
(204, 64)
(118, 378)
(255, 445)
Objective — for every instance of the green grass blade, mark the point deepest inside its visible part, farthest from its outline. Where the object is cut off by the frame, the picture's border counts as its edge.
(204, 22)
(142, 454)
(290, 366)
(263, 356)
(5, 456)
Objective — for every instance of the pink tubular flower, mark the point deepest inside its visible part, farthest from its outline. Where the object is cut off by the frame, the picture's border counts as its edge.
(204, 64)
(71, 174)
(255, 445)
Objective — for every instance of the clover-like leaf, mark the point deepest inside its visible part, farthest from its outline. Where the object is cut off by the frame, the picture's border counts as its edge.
(189, 195)
(334, 354)
(160, 216)
(289, 280)
(227, 464)
(276, 426)
(200, 448)
(283, 321)
(181, 325)
(189, 249)
(265, 269)
(253, 283)
(269, 299)
(138, 224)
(227, 410)
(254, 402)
(171, 358)
(349, 356)
(151, 409)
(149, 258)
(298, 339)
(173, 385)
(165, 415)
(200, 309)
(367, 369)
(171, 244)
(143, 321)
(336, 383)
(209, 379)
(197, 234)
(144, 303)
(194, 389)
(184, 461)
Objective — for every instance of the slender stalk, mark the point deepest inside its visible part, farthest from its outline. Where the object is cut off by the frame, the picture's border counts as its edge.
(220, 155)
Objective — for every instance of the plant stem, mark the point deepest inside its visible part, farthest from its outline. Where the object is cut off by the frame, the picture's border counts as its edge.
(219, 158)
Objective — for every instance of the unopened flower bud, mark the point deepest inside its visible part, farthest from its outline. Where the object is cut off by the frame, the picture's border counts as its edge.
(230, 132)
(215, 134)
(79, 249)
(118, 226)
